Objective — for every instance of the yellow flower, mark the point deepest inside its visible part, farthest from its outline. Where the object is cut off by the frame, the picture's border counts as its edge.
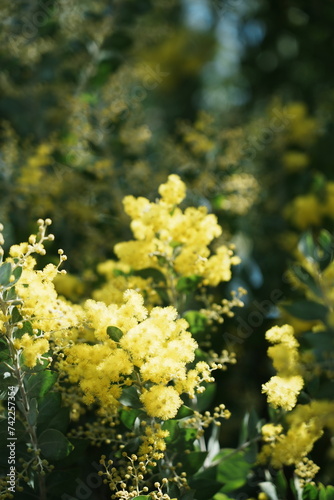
(173, 192)
(153, 443)
(285, 359)
(306, 424)
(304, 211)
(270, 432)
(18, 250)
(32, 349)
(294, 161)
(161, 402)
(166, 237)
(283, 392)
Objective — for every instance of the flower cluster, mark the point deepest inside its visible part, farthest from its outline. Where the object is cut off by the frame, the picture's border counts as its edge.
(42, 317)
(149, 351)
(282, 389)
(119, 279)
(169, 239)
(306, 426)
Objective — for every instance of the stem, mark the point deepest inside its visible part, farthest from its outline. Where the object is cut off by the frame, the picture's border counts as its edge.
(31, 429)
(172, 293)
(200, 439)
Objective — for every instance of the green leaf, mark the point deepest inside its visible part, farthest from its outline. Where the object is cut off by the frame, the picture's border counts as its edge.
(162, 292)
(180, 437)
(175, 244)
(33, 412)
(184, 411)
(51, 413)
(142, 497)
(54, 445)
(27, 328)
(213, 443)
(16, 315)
(249, 431)
(306, 245)
(322, 492)
(253, 421)
(114, 333)
(130, 397)
(119, 272)
(281, 484)
(89, 98)
(5, 273)
(217, 201)
(232, 470)
(187, 495)
(310, 492)
(48, 406)
(330, 493)
(205, 483)
(244, 429)
(10, 294)
(151, 272)
(38, 384)
(221, 496)
(307, 279)
(325, 240)
(197, 321)
(326, 244)
(188, 284)
(17, 275)
(320, 341)
(189, 434)
(193, 461)
(128, 417)
(172, 426)
(59, 421)
(307, 310)
(205, 399)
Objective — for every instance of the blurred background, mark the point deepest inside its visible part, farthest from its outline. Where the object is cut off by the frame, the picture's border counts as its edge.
(100, 99)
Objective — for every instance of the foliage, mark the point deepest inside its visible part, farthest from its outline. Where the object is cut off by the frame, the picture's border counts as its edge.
(211, 121)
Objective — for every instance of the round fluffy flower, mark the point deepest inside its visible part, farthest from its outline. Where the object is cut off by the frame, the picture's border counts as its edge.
(33, 349)
(283, 392)
(173, 191)
(161, 402)
(18, 250)
(161, 370)
(304, 211)
(284, 334)
(218, 266)
(271, 431)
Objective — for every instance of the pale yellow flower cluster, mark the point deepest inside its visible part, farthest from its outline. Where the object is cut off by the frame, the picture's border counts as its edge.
(166, 237)
(32, 173)
(282, 390)
(118, 280)
(40, 303)
(306, 426)
(310, 209)
(45, 318)
(151, 352)
(33, 349)
(306, 423)
(153, 443)
(305, 211)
